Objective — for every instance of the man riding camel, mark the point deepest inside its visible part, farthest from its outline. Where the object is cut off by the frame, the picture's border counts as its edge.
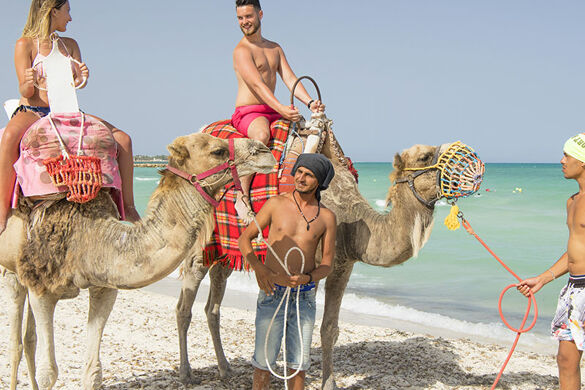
(256, 63)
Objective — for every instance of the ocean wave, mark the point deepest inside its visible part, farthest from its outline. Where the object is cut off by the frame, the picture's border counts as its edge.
(246, 283)
(354, 303)
(146, 178)
(372, 306)
(381, 203)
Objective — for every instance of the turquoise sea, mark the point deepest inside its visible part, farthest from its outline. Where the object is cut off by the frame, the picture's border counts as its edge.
(455, 283)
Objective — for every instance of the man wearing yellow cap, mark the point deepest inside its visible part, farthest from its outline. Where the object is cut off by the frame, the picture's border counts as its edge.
(568, 325)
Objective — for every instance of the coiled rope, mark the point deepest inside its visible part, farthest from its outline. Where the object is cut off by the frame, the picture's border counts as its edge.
(531, 300)
(286, 297)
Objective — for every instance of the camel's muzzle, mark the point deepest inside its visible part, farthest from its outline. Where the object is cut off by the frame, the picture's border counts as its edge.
(460, 174)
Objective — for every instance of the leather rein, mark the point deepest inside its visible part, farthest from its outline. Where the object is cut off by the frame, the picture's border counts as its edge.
(196, 180)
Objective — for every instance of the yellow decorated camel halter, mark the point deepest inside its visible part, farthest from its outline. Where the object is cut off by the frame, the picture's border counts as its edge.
(460, 174)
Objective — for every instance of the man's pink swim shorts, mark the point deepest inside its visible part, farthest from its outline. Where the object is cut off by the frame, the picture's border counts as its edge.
(244, 115)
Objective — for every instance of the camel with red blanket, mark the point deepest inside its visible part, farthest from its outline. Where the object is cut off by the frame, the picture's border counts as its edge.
(382, 239)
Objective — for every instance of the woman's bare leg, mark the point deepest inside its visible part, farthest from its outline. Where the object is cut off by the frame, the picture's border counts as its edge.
(126, 164)
(9, 151)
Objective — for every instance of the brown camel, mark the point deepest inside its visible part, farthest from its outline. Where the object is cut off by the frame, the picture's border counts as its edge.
(363, 234)
(85, 246)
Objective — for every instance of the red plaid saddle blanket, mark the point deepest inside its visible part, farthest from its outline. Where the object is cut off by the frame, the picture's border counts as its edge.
(223, 245)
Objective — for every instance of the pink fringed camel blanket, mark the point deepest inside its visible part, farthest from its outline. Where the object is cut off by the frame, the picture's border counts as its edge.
(41, 143)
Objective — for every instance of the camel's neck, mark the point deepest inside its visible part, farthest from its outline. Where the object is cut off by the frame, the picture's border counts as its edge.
(127, 257)
(365, 235)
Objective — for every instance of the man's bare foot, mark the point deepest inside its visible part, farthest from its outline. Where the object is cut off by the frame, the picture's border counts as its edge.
(244, 209)
(131, 214)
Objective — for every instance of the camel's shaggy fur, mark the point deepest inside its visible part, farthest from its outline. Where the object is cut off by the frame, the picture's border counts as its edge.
(47, 264)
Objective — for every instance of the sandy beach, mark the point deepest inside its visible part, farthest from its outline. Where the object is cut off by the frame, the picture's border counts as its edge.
(140, 350)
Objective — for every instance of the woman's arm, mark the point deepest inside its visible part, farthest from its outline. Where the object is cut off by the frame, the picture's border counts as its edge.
(81, 71)
(23, 66)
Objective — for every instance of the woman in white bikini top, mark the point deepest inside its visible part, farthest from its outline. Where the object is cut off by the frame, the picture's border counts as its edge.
(46, 17)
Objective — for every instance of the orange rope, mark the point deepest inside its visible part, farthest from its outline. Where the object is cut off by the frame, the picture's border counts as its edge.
(520, 330)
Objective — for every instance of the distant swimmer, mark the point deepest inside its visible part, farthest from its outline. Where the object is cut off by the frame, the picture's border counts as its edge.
(256, 63)
(568, 324)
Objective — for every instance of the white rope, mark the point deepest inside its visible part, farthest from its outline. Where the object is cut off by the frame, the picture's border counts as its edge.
(285, 296)
(62, 145)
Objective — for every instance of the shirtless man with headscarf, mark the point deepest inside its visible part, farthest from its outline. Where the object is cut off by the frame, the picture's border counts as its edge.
(256, 63)
(568, 325)
(295, 219)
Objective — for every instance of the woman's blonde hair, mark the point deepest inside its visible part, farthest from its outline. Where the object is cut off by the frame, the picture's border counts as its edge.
(38, 24)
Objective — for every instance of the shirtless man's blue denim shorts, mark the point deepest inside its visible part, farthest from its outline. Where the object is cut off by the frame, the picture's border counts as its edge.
(265, 308)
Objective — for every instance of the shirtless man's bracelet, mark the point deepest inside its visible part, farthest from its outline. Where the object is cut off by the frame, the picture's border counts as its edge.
(553, 274)
(309, 107)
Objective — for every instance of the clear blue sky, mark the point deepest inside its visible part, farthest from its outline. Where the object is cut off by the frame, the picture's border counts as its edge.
(504, 76)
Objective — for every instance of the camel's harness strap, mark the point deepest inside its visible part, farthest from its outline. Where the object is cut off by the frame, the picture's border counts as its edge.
(195, 180)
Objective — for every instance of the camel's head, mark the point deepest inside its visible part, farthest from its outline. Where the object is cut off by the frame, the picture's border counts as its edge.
(422, 183)
(197, 153)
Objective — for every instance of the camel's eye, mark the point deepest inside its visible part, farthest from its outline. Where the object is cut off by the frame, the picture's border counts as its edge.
(425, 157)
(219, 152)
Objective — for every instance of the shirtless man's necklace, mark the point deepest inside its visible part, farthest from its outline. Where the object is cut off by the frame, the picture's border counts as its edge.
(303, 214)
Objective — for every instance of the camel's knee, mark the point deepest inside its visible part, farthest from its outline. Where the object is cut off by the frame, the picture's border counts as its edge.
(212, 310)
(185, 304)
(199, 273)
(30, 337)
(16, 354)
(330, 332)
(184, 317)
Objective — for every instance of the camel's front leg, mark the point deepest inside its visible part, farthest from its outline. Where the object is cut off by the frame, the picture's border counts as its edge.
(17, 297)
(334, 289)
(44, 311)
(101, 302)
(194, 272)
(218, 276)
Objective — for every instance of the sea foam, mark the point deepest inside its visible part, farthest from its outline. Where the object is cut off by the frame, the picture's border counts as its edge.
(146, 178)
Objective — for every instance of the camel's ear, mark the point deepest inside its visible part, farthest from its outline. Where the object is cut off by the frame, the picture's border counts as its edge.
(178, 150)
(398, 162)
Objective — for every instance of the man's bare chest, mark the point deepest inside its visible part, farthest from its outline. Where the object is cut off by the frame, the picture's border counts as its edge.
(293, 224)
(576, 214)
(266, 60)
